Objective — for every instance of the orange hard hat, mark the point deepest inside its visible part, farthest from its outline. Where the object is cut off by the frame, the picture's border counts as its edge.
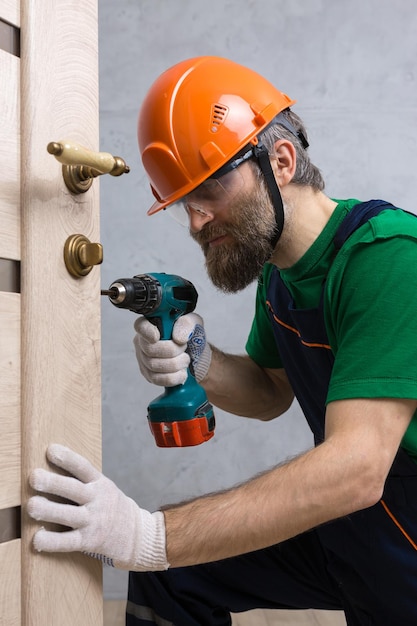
(196, 116)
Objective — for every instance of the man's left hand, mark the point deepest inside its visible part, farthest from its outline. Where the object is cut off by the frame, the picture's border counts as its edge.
(103, 522)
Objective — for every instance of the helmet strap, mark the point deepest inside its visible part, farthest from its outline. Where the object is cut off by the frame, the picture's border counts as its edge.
(262, 156)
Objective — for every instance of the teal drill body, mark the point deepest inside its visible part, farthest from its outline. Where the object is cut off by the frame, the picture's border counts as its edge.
(182, 415)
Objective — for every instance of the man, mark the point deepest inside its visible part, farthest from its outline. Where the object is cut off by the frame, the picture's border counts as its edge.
(335, 324)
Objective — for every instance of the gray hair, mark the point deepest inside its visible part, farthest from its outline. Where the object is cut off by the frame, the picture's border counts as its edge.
(306, 173)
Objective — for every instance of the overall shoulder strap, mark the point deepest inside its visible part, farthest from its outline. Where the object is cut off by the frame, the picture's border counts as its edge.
(360, 214)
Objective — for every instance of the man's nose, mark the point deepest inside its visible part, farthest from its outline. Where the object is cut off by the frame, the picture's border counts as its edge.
(198, 219)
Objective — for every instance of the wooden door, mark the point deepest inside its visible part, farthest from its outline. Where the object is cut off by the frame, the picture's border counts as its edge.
(50, 323)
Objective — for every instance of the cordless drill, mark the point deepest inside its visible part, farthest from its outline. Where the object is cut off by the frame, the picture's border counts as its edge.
(182, 415)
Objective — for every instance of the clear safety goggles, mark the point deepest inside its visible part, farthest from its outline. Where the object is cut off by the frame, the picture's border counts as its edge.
(214, 194)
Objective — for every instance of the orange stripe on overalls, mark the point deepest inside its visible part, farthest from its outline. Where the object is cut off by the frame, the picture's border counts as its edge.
(397, 523)
(294, 330)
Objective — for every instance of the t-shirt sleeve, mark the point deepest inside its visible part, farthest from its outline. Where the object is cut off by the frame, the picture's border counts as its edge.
(261, 345)
(371, 318)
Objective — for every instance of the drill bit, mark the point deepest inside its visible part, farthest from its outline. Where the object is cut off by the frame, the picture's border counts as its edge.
(109, 292)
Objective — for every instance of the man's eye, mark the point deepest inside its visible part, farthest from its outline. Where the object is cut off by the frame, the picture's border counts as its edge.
(206, 191)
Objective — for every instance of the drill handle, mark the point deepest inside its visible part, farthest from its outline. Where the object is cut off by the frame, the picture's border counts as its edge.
(165, 326)
(157, 321)
(164, 323)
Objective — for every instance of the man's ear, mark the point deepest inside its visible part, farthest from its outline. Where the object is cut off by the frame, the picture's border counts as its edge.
(284, 161)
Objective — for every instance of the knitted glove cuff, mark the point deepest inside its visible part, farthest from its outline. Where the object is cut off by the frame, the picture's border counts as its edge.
(148, 553)
(152, 554)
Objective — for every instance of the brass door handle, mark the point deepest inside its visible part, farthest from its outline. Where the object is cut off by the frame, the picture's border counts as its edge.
(80, 165)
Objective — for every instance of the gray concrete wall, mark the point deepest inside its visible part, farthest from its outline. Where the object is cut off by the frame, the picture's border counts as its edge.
(351, 66)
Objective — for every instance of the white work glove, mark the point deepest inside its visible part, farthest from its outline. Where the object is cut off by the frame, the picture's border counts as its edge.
(165, 362)
(104, 522)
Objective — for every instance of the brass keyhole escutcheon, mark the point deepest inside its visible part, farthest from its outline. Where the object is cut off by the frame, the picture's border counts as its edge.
(80, 255)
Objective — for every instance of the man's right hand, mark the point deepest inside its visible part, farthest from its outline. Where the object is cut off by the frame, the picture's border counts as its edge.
(165, 362)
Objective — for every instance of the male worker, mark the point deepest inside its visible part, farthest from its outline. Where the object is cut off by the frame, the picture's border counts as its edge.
(335, 325)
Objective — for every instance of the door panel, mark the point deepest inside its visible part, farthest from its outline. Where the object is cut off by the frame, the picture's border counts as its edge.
(10, 156)
(9, 400)
(10, 11)
(10, 583)
(10, 318)
(50, 321)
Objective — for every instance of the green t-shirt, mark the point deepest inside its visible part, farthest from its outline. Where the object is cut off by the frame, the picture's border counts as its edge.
(370, 308)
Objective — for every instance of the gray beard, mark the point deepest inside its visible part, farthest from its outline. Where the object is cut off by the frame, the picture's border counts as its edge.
(233, 266)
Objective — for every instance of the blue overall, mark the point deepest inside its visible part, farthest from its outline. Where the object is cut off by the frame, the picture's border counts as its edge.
(364, 564)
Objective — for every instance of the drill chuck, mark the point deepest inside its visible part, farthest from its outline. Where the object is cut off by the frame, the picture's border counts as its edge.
(141, 295)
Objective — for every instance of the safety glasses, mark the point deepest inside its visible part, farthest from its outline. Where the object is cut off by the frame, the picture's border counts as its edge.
(214, 194)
